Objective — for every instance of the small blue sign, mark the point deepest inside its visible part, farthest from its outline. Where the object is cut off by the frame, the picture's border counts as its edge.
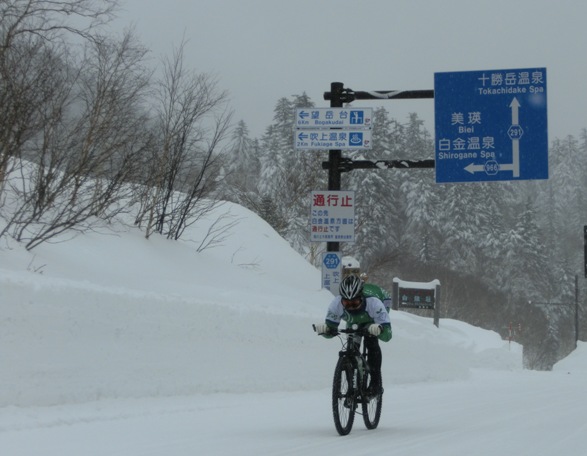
(356, 139)
(356, 117)
(331, 260)
(491, 125)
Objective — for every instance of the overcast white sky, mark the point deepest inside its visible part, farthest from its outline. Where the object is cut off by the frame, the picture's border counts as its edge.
(262, 50)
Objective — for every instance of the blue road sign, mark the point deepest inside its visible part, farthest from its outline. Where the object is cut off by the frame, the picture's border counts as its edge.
(331, 271)
(491, 125)
(332, 260)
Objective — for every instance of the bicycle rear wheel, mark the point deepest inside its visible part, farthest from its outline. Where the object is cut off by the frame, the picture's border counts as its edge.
(372, 408)
(344, 401)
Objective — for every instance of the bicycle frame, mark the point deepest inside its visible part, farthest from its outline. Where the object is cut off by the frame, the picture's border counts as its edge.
(351, 350)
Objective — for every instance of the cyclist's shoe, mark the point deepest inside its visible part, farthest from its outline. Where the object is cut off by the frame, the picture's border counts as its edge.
(375, 389)
(349, 403)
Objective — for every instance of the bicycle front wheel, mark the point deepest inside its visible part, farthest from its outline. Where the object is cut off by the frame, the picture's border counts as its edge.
(344, 401)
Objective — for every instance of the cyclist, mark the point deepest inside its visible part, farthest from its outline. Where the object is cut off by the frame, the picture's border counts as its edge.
(350, 265)
(370, 289)
(354, 307)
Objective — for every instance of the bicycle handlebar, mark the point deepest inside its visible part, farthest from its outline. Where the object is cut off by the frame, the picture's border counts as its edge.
(363, 331)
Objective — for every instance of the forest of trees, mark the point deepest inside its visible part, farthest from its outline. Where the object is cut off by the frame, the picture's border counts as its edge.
(505, 252)
(89, 130)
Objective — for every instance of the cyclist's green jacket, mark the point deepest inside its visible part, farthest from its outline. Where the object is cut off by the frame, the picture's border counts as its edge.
(371, 311)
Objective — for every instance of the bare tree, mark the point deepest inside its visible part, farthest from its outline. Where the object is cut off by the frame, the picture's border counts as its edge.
(76, 144)
(89, 143)
(192, 123)
(49, 19)
(28, 30)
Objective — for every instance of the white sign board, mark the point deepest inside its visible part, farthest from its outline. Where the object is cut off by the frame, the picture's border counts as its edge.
(348, 118)
(332, 216)
(310, 139)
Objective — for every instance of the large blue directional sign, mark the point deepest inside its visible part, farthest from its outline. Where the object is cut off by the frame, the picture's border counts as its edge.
(491, 125)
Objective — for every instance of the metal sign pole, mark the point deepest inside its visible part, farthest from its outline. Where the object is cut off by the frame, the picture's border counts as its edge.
(576, 310)
(585, 248)
(334, 156)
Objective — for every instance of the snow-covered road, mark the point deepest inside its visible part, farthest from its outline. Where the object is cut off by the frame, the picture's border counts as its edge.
(518, 413)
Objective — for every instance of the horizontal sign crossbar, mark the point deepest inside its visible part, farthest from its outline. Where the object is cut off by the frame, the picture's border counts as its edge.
(348, 164)
(349, 95)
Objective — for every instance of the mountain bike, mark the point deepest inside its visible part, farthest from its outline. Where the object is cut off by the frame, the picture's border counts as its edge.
(350, 383)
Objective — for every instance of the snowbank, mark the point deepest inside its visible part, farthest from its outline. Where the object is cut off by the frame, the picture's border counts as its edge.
(119, 316)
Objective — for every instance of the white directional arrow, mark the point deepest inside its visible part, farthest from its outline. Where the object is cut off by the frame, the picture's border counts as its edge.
(515, 157)
(515, 105)
(472, 168)
(506, 167)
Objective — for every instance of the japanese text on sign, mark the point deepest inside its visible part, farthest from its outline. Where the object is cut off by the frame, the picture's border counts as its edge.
(331, 200)
(334, 117)
(416, 298)
(332, 216)
(513, 82)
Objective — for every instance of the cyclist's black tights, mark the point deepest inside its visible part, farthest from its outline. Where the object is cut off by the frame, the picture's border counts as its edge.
(374, 356)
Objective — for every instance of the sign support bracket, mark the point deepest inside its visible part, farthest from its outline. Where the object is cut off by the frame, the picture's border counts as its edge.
(337, 164)
(347, 164)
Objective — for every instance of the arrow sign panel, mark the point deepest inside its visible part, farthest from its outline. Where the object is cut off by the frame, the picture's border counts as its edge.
(311, 139)
(354, 118)
(491, 125)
